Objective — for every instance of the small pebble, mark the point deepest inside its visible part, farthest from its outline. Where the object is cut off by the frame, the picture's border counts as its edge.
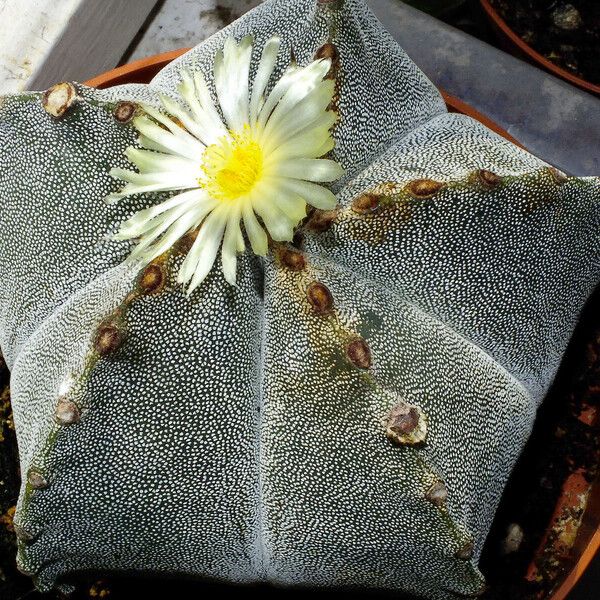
(513, 540)
(567, 17)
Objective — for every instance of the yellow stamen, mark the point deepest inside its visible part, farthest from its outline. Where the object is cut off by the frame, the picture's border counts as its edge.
(232, 166)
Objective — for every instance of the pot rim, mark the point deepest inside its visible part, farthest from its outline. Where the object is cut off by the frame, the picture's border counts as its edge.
(501, 26)
(588, 536)
(587, 541)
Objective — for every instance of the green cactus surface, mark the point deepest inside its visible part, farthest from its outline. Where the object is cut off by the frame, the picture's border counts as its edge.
(349, 412)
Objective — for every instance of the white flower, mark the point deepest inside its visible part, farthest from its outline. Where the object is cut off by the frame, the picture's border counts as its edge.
(259, 159)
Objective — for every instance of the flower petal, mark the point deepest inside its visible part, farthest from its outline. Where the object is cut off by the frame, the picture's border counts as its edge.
(153, 230)
(201, 256)
(308, 110)
(149, 144)
(306, 144)
(256, 234)
(137, 224)
(278, 224)
(206, 102)
(306, 81)
(187, 120)
(149, 182)
(230, 245)
(167, 140)
(197, 95)
(265, 69)
(310, 169)
(188, 220)
(314, 194)
(178, 131)
(328, 146)
(279, 89)
(241, 244)
(131, 190)
(148, 161)
(182, 179)
(232, 71)
(293, 206)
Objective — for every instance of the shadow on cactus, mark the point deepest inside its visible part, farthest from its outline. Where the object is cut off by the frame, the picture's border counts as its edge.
(277, 316)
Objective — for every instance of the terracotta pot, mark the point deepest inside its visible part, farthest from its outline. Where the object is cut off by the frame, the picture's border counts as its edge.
(515, 45)
(581, 540)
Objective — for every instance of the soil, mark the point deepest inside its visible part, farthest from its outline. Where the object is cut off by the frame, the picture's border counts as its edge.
(566, 33)
(562, 443)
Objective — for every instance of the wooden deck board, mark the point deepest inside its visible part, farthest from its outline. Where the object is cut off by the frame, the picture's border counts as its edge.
(46, 41)
(185, 23)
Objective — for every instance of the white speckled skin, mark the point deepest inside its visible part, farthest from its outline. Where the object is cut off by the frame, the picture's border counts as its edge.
(229, 436)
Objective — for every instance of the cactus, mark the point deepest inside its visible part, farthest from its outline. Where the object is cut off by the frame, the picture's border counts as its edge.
(348, 413)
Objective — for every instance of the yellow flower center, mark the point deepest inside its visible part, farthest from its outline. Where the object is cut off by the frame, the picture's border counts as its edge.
(232, 166)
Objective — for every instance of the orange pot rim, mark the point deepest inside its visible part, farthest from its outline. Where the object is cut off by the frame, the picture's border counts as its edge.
(580, 566)
(535, 56)
(146, 68)
(135, 69)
